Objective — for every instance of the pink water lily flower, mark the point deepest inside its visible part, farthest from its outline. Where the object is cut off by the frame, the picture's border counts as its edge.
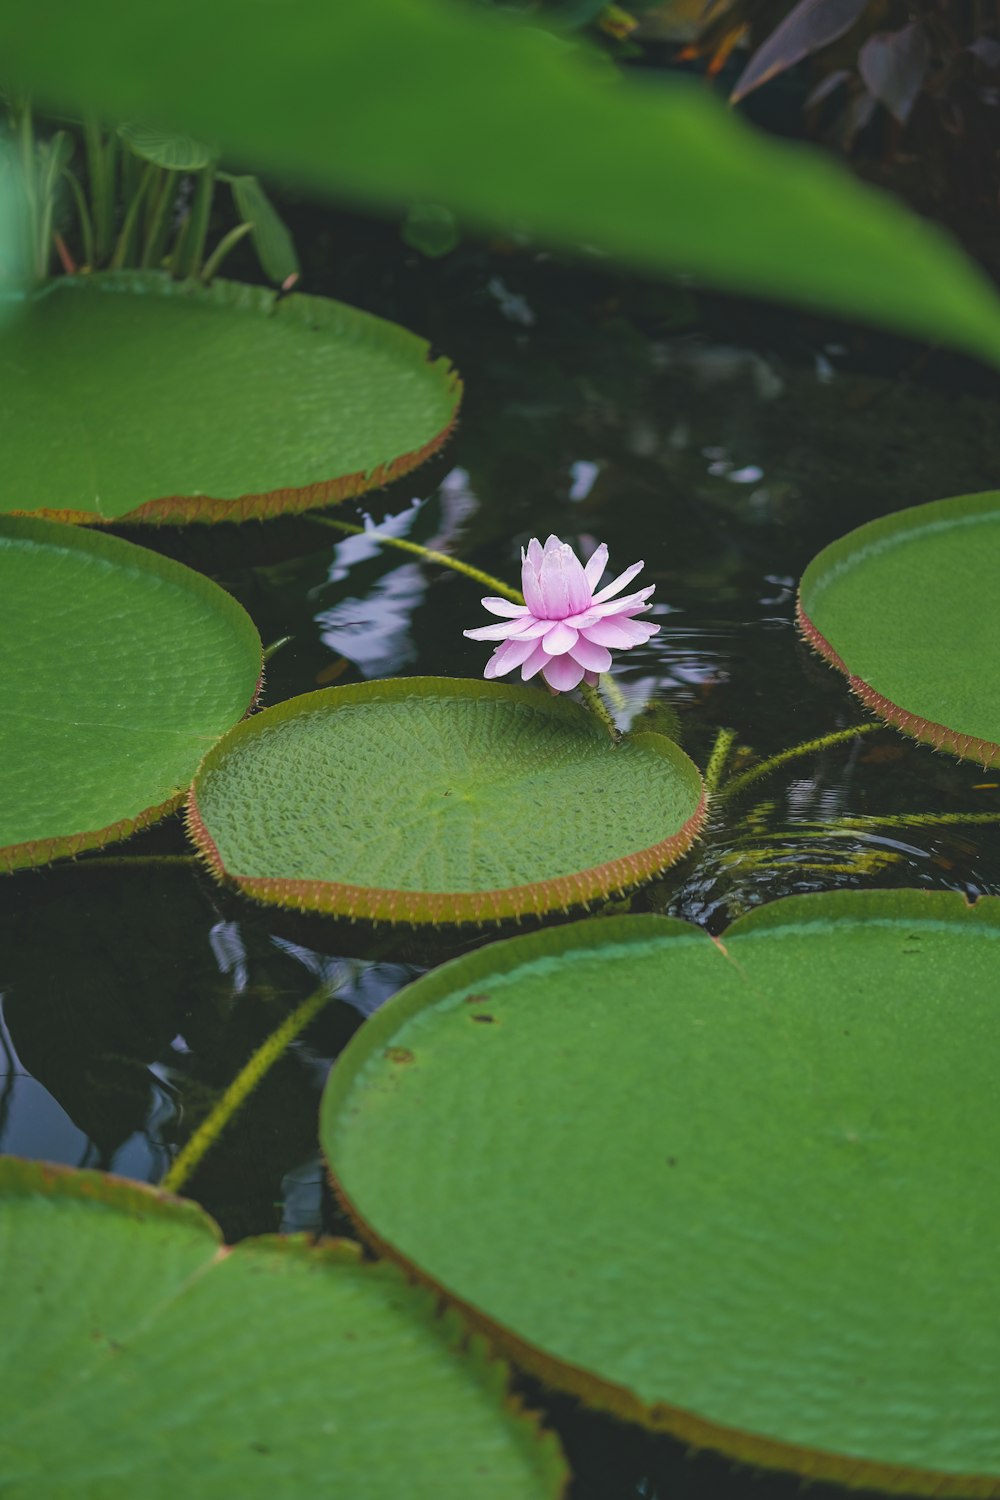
(564, 629)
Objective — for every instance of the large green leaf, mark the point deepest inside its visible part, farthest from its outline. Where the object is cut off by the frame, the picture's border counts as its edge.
(178, 402)
(745, 1191)
(119, 670)
(908, 607)
(141, 1357)
(431, 799)
(400, 101)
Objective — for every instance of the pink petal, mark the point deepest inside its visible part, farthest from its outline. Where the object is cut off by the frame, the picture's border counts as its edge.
(562, 581)
(508, 656)
(619, 634)
(536, 661)
(559, 639)
(590, 678)
(562, 673)
(595, 567)
(532, 629)
(590, 655)
(531, 566)
(621, 606)
(493, 632)
(619, 583)
(505, 607)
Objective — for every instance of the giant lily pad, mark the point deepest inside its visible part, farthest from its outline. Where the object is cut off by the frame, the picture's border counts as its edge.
(180, 402)
(745, 1191)
(119, 670)
(908, 607)
(431, 799)
(141, 1357)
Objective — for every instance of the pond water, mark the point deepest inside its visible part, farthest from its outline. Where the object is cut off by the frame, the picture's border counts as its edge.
(721, 443)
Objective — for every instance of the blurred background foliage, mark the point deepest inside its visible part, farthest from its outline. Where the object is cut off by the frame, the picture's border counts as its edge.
(465, 116)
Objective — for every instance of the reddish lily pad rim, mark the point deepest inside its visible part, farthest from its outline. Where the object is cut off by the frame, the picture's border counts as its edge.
(508, 954)
(378, 904)
(965, 746)
(43, 851)
(23, 1178)
(172, 510)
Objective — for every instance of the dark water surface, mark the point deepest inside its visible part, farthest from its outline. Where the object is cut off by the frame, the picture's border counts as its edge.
(724, 447)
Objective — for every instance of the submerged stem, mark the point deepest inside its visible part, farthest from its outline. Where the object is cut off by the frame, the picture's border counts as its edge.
(267, 1054)
(427, 553)
(734, 787)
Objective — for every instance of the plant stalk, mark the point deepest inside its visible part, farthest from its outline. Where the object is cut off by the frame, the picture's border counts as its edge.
(266, 1055)
(739, 783)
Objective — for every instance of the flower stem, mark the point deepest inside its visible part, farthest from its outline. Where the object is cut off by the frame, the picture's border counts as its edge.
(737, 785)
(427, 553)
(600, 710)
(724, 742)
(267, 1054)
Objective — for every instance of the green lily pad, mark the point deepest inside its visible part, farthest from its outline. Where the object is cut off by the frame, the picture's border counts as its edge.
(744, 1191)
(432, 799)
(119, 670)
(141, 1357)
(181, 402)
(908, 607)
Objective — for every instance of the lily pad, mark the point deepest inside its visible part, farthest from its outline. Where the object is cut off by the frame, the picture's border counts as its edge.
(431, 799)
(743, 1191)
(181, 402)
(908, 608)
(142, 1357)
(120, 668)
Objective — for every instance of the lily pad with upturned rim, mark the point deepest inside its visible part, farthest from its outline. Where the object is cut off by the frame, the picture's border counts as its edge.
(908, 608)
(744, 1191)
(142, 1357)
(119, 669)
(180, 402)
(432, 799)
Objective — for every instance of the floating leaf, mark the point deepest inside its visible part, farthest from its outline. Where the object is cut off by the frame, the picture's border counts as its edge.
(908, 606)
(178, 153)
(423, 101)
(430, 799)
(179, 402)
(740, 1191)
(141, 1357)
(119, 670)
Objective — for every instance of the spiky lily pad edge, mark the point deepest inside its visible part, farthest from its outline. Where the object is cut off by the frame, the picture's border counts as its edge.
(292, 500)
(452, 908)
(178, 510)
(35, 852)
(23, 1178)
(810, 1464)
(964, 746)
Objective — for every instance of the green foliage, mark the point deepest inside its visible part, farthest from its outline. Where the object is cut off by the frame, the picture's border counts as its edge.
(296, 403)
(496, 122)
(510, 803)
(272, 1368)
(715, 1188)
(908, 607)
(108, 711)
